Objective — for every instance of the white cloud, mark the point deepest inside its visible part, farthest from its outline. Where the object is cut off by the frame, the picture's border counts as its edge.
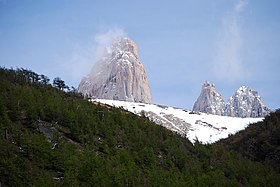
(86, 54)
(240, 5)
(104, 39)
(228, 64)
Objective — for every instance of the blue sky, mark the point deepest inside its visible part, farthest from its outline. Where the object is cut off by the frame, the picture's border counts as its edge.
(181, 43)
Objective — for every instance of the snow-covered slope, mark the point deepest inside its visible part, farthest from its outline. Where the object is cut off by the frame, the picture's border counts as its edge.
(206, 128)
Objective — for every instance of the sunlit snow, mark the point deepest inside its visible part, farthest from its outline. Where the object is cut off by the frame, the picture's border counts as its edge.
(206, 128)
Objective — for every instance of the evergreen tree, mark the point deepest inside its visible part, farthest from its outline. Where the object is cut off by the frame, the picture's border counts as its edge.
(44, 79)
(59, 83)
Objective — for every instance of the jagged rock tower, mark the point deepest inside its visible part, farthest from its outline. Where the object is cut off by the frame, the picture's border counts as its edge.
(246, 103)
(209, 100)
(118, 75)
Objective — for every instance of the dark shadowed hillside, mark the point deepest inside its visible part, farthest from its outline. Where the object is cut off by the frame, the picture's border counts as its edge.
(49, 137)
(260, 141)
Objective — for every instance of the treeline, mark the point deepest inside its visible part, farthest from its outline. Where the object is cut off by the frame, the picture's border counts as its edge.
(24, 76)
(49, 137)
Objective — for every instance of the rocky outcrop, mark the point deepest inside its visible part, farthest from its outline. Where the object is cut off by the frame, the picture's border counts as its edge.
(118, 75)
(209, 100)
(246, 103)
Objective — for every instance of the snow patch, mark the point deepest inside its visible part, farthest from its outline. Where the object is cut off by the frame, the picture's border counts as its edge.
(207, 128)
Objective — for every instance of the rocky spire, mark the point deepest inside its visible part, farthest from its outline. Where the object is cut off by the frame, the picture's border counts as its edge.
(118, 75)
(209, 101)
(246, 103)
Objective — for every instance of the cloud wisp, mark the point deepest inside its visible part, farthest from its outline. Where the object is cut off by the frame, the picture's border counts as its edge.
(102, 40)
(84, 56)
(240, 5)
(227, 64)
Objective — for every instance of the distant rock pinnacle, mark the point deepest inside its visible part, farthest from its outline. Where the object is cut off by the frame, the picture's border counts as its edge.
(209, 101)
(118, 75)
(246, 103)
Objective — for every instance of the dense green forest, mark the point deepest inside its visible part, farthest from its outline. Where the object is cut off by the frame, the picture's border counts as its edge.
(51, 136)
(260, 141)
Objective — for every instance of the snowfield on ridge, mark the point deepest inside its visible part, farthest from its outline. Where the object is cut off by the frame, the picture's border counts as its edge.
(207, 128)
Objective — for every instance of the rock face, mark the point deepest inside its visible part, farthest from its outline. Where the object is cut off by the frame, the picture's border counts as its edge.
(246, 103)
(118, 75)
(209, 101)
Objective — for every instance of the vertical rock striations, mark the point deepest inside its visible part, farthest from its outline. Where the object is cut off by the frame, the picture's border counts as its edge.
(118, 75)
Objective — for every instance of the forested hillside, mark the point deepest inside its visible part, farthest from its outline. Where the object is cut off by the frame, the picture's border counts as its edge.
(52, 136)
(260, 141)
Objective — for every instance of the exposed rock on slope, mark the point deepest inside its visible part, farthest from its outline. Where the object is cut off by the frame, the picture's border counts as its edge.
(209, 101)
(118, 75)
(246, 103)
